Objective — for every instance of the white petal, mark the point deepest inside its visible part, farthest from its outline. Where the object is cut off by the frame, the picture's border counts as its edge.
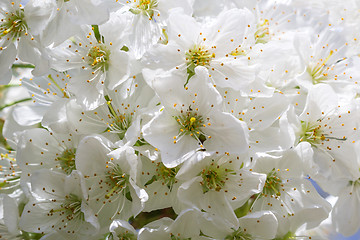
(7, 57)
(160, 133)
(262, 225)
(48, 184)
(228, 134)
(346, 212)
(119, 69)
(29, 115)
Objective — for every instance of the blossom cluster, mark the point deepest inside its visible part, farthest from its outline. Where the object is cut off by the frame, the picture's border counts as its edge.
(220, 115)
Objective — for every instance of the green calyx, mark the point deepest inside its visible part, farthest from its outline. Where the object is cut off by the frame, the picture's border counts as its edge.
(67, 160)
(214, 177)
(272, 184)
(98, 57)
(13, 25)
(145, 7)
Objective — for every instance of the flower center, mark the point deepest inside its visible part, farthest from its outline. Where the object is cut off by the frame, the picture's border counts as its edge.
(239, 235)
(214, 177)
(272, 184)
(9, 173)
(199, 56)
(119, 122)
(117, 180)
(126, 236)
(98, 57)
(262, 34)
(166, 175)
(319, 71)
(70, 208)
(314, 134)
(145, 7)
(191, 124)
(13, 24)
(67, 160)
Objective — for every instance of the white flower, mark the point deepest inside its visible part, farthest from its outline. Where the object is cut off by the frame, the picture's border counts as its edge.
(111, 178)
(218, 185)
(288, 194)
(259, 225)
(64, 17)
(18, 41)
(161, 183)
(9, 172)
(59, 205)
(328, 125)
(345, 214)
(122, 115)
(146, 21)
(99, 62)
(120, 229)
(192, 119)
(192, 44)
(324, 60)
(185, 226)
(41, 149)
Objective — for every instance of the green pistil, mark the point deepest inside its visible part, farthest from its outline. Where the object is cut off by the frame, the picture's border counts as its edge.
(239, 235)
(13, 25)
(166, 175)
(67, 160)
(262, 34)
(272, 184)
(98, 57)
(145, 7)
(71, 208)
(214, 177)
(117, 180)
(191, 124)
